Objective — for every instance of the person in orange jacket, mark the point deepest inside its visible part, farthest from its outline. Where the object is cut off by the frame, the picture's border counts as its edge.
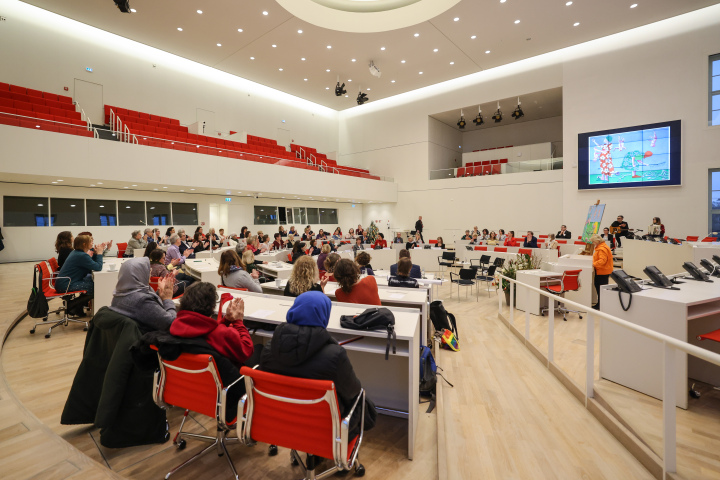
(602, 263)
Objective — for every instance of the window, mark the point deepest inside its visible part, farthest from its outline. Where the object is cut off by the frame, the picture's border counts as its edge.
(25, 211)
(285, 215)
(101, 213)
(313, 218)
(300, 217)
(266, 215)
(67, 212)
(185, 213)
(158, 213)
(328, 216)
(714, 93)
(714, 200)
(131, 213)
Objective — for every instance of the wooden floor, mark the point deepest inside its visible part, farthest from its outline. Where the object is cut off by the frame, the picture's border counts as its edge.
(507, 417)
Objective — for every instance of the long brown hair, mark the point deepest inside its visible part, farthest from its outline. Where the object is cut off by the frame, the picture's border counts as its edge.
(64, 240)
(347, 273)
(228, 259)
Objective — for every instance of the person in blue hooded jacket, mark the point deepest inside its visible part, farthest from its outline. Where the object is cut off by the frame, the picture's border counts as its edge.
(303, 348)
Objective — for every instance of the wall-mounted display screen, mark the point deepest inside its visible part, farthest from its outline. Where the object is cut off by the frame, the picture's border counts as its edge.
(640, 156)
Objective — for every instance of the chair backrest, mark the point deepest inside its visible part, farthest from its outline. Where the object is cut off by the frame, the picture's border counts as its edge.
(499, 262)
(296, 413)
(580, 243)
(192, 382)
(692, 239)
(501, 249)
(121, 249)
(467, 273)
(490, 272)
(461, 171)
(708, 239)
(485, 259)
(570, 280)
(525, 251)
(432, 241)
(54, 264)
(48, 281)
(482, 249)
(448, 256)
(154, 281)
(561, 241)
(486, 169)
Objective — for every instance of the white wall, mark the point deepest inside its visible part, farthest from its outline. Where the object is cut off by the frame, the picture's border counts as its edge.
(37, 243)
(525, 133)
(445, 145)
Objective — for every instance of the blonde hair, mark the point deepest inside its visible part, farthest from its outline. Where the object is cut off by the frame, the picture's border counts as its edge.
(304, 275)
(597, 239)
(325, 248)
(248, 257)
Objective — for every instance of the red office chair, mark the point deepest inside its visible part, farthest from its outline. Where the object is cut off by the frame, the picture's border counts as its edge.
(121, 249)
(302, 415)
(525, 251)
(233, 288)
(192, 382)
(154, 282)
(48, 287)
(715, 337)
(570, 282)
(692, 239)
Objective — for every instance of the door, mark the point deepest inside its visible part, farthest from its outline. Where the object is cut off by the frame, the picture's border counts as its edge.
(89, 97)
(209, 118)
(283, 138)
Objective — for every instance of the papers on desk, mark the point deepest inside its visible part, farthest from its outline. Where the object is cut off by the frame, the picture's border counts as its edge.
(261, 314)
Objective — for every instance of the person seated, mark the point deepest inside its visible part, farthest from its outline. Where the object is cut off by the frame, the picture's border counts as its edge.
(363, 261)
(304, 278)
(76, 272)
(234, 273)
(564, 233)
(624, 229)
(185, 242)
(214, 239)
(475, 231)
(608, 238)
(159, 269)
(152, 246)
(135, 298)
(199, 243)
(415, 270)
(297, 251)
(333, 247)
(467, 236)
(510, 239)
(329, 266)
(307, 235)
(221, 234)
(290, 241)
(168, 233)
(398, 238)
(403, 279)
(313, 249)
(282, 232)
(350, 235)
(493, 240)
(302, 347)
(658, 227)
(230, 338)
(251, 265)
(324, 252)
(264, 245)
(552, 244)
(380, 242)
(417, 241)
(321, 235)
(337, 234)
(63, 246)
(136, 242)
(530, 241)
(148, 235)
(359, 231)
(501, 235)
(475, 239)
(358, 245)
(253, 245)
(278, 243)
(352, 289)
(485, 234)
(440, 243)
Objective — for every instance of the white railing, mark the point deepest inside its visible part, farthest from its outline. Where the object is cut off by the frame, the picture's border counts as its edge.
(86, 119)
(120, 130)
(670, 346)
(301, 153)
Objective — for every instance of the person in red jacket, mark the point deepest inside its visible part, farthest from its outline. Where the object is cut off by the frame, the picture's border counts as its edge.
(352, 289)
(380, 241)
(229, 337)
(510, 240)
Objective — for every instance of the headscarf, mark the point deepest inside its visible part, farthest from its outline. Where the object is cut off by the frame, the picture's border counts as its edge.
(311, 309)
(134, 277)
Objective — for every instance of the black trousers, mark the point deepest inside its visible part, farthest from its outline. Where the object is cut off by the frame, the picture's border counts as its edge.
(421, 237)
(600, 280)
(617, 238)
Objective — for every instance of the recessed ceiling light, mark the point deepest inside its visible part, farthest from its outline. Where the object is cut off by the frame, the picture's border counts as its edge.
(420, 73)
(487, 51)
(517, 21)
(568, 4)
(345, 96)
(240, 30)
(402, 61)
(633, 5)
(101, 206)
(456, 19)
(92, 184)
(299, 31)
(252, 58)
(219, 44)
(179, 29)
(164, 187)
(305, 79)
(417, 35)
(435, 50)
(126, 187)
(473, 37)
(53, 182)
(153, 189)
(392, 81)
(59, 180)
(133, 10)
(576, 24)
(274, 46)
(329, 46)
(134, 185)
(368, 89)
(503, 1)
(303, 59)
(192, 189)
(452, 63)
(327, 88)
(265, 13)
(382, 48)
(99, 183)
(352, 60)
(327, 70)
(200, 12)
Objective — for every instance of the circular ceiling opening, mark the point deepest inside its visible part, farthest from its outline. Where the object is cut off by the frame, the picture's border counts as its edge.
(366, 16)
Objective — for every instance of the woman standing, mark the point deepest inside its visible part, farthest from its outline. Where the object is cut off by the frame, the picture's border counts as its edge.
(602, 263)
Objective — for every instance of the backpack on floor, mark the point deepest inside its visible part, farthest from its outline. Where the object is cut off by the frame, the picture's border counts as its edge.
(428, 376)
(37, 305)
(442, 319)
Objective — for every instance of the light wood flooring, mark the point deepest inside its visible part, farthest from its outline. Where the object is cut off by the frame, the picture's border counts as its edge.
(507, 417)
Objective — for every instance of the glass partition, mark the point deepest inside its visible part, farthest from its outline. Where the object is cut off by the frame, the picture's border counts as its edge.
(498, 168)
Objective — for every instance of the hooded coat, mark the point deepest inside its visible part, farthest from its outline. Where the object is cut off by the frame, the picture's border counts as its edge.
(303, 348)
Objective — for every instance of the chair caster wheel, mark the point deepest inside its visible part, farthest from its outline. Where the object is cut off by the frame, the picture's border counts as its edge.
(181, 444)
(47, 335)
(86, 328)
(32, 331)
(272, 450)
(580, 317)
(293, 461)
(694, 393)
(360, 470)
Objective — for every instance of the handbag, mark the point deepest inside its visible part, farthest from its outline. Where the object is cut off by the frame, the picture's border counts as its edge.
(37, 305)
(373, 319)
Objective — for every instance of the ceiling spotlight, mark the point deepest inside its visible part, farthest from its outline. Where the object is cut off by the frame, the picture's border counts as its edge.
(123, 5)
(362, 98)
(576, 24)
(382, 48)
(303, 59)
(352, 60)
(633, 5)
(200, 12)
(452, 63)
(473, 37)
(252, 58)
(567, 4)
(518, 111)
(517, 21)
(133, 11)
(392, 81)
(487, 51)
(435, 50)
(219, 44)
(402, 61)
(374, 71)
(240, 30)
(299, 31)
(329, 46)
(340, 89)
(498, 115)
(179, 29)
(265, 13)
(417, 35)
(274, 46)
(461, 122)
(479, 119)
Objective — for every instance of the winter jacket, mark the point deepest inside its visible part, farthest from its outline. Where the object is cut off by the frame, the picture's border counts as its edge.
(364, 292)
(602, 259)
(415, 271)
(401, 281)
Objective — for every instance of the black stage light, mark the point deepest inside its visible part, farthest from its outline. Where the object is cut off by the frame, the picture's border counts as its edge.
(518, 113)
(362, 98)
(461, 122)
(498, 116)
(340, 90)
(479, 119)
(123, 5)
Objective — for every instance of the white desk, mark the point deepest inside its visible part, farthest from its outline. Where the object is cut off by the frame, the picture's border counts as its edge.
(274, 256)
(426, 258)
(382, 259)
(537, 279)
(218, 252)
(635, 361)
(205, 270)
(105, 281)
(638, 254)
(276, 270)
(392, 384)
(430, 281)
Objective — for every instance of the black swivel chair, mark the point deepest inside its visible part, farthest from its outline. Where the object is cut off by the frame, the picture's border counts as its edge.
(465, 278)
(488, 277)
(446, 260)
(499, 262)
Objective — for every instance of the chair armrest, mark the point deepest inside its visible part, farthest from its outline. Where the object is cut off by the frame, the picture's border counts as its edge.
(345, 432)
(68, 286)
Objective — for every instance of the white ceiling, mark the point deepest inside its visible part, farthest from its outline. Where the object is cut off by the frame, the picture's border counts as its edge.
(545, 25)
(535, 106)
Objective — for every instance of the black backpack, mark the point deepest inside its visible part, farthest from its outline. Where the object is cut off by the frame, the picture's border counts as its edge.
(428, 376)
(373, 319)
(442, 319)
(37, 305)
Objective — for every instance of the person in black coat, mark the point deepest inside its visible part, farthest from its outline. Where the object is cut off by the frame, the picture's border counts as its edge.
(624, 229)
(297, 251)
(403, 275)
(530, 241)
(303, 348)
(419, 228)
(564, 233)
(415, 270)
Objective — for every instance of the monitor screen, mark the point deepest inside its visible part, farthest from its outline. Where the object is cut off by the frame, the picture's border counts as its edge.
(640, 156)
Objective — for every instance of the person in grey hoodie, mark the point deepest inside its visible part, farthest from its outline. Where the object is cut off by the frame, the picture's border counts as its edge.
(233, 274)
(134, 298)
